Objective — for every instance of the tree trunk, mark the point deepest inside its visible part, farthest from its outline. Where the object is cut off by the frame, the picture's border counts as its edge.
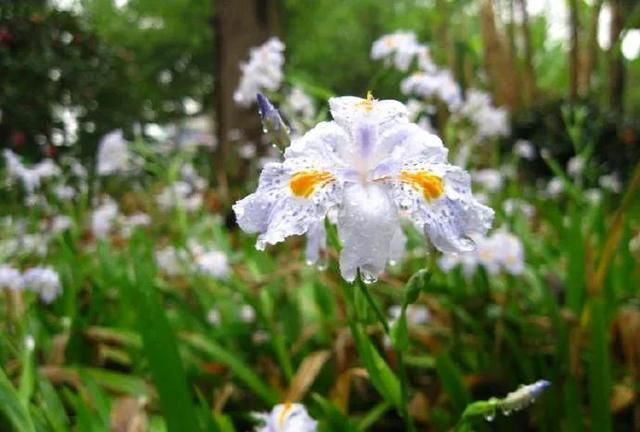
(512, 52)
(590, 58)
(529, 74)
(496, 59)
(574, 51)
(238, 26)
(616, 62)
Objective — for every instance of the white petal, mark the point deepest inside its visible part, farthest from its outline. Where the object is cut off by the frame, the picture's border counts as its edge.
(405, 145)
(386, 113)
(316, 243)
(322, 143)
(275, 212)
(398, 246)
(367, 224)
(450, 219)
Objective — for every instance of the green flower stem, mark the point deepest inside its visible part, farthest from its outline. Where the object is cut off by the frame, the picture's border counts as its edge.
(379, 315)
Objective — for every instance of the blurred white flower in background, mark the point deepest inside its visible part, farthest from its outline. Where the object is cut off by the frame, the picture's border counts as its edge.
(514, 205)
(262, 72)
(300, 104)
(490, 121)
(554, 188)
(213, 316)
(594, 196)
(610, 182)
(524, 149)
(417, 314)
(60, 224)
(64, 192)
(214, 263)
(576, 166)
(247, 313)
(113, 154)
(44, 281)
(10, 278)
(287, 417)
(501, 251)
(104, 217)
(128, 224)
(490, 179)
(247, 150)
(438, 84)
(170, 260)
(399, 49)
(30, 177)
(179, 194)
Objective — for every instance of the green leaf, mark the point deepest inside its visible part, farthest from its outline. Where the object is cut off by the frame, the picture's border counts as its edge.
(374, 414)
(418, 281)
(400, 332)
(12, 408)
(452, 382)
(159, 343)
(380, 374)
(599, 368)
(333, 419)
(239, 368)
(52, 407)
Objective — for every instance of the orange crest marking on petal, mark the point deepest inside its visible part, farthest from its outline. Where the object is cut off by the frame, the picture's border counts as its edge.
(430, 185)
(304, 183)
(283, 414)
(367, 104)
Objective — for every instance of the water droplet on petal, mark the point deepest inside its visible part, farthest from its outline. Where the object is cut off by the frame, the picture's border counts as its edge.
(368, 278)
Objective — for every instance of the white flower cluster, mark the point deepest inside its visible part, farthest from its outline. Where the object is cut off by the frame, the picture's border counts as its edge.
(209, 261)
(490, 179)
(438, 84)
(431, 82)
(501, 251)
(262, 72)
(186, 193)
(524, 149)
(106, 216)
(113, 154)
(490, 121)
(30, 177)
(399, 49)
(42, 280)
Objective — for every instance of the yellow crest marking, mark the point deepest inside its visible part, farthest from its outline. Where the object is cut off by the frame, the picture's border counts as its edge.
(283, 414)
(367, 104)
(429, 184)
(304, 183)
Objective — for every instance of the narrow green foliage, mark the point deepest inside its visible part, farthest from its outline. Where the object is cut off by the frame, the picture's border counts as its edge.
(160, 346)
(12, 407)
(599, 368)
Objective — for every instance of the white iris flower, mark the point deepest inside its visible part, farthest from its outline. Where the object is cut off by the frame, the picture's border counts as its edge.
(287, 417)
(371, 164)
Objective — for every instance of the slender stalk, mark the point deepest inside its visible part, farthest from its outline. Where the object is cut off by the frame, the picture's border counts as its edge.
(379, 315)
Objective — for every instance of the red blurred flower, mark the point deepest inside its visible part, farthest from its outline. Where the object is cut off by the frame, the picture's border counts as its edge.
(18, 138)
(51, 151)
(5, 35)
